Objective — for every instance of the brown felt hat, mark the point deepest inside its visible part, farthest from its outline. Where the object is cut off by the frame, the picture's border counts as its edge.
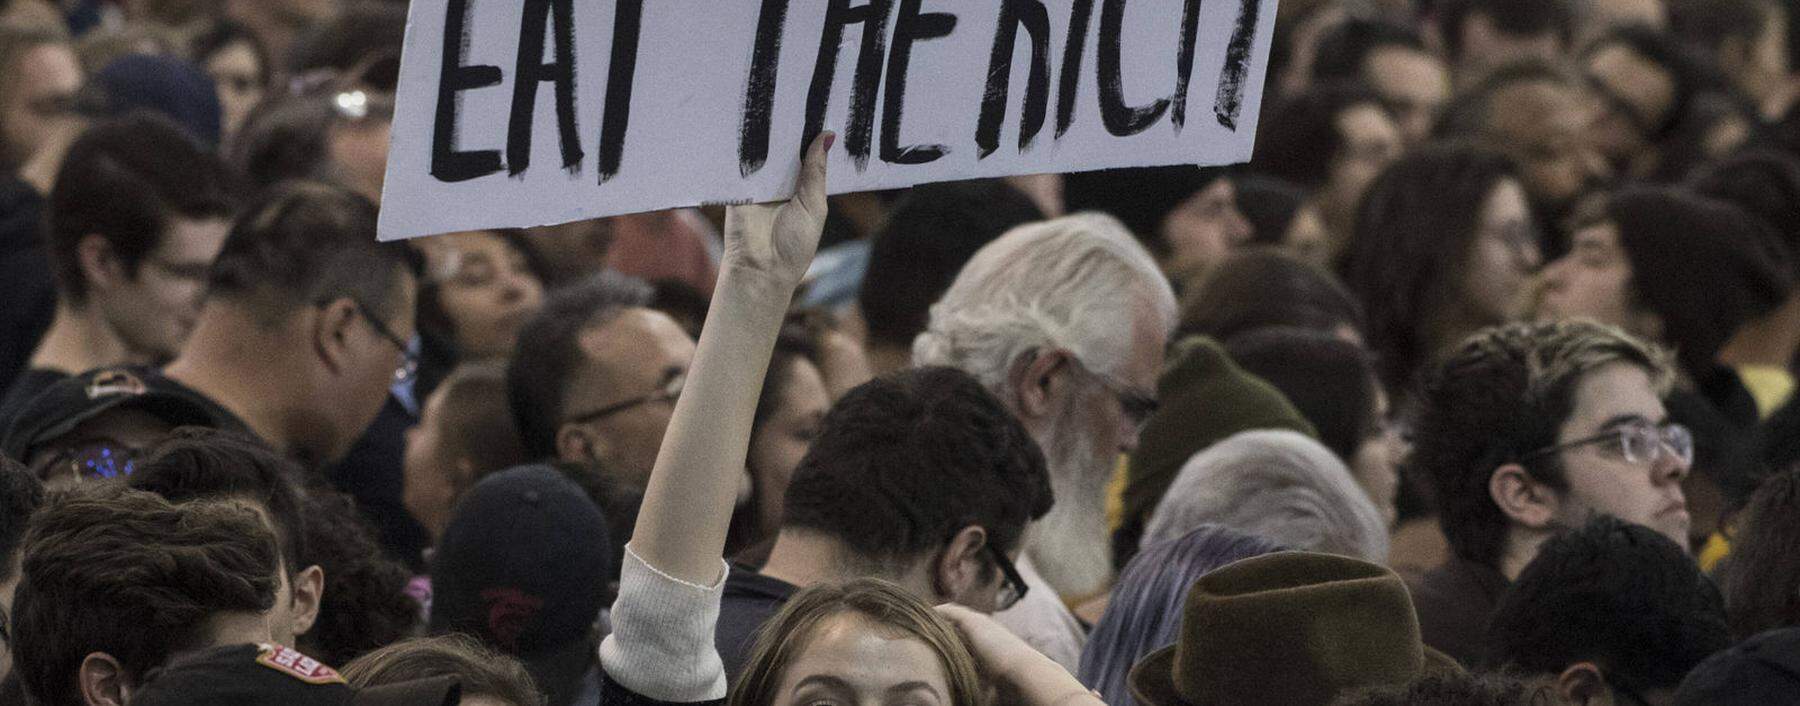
(1288, 629)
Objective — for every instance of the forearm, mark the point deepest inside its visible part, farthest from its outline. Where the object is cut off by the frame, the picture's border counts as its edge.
(1043, 682)
(686, 512)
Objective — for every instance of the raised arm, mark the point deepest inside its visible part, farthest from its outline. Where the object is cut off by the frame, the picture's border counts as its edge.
(687, 506)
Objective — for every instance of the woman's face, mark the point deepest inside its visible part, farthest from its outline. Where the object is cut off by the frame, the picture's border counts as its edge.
(237, 71)
(1593, 281)
(852, 662)
(487, 290)
(1502, 257)
(782, 439)
(1369, 143)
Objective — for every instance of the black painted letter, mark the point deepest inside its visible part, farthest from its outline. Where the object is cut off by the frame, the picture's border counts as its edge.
(531, 71)
(1230, 100)
(858, 135)
(911, 26)
(447, 163)
(1121, 120)
(1069, 84)
(759, 91)
(1014, 14)
(628, 20)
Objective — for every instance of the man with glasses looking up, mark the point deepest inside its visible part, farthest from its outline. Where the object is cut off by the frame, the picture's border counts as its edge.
(1529, 430)
(595, 375)
(136, 216)
(306, 322)
(1065, 321)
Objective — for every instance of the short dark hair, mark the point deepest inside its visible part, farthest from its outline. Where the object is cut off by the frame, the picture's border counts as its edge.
(481, 671)
(1331, 381)
(549, 351)
(929, 235)
(1467, 115)
(1685, 72)
(365, 604)
(1459, 689)
(207, 464)
(1261, 286)
(1761, 577)
(1622, 596)
(120, 571)
(223, 34)
(1343, 51)
(1519, 18)
(1414, 230)
(478, 424)
(1765, 183)
(20, 495)
(904, 461)
(124, 180)
(1515, 384)
(1299, 139)
(306, 243)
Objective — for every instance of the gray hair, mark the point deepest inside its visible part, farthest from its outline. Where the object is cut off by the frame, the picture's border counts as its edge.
(1277, 484)
(1074, 282)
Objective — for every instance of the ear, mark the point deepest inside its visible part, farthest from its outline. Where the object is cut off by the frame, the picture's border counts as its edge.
(1039, 386)
(331, 333)
(1582, 684)
(1522, 498)
(959, 568)
(309, 592)
(102, 681)
(464, 467)
(100, 266)
(577, 442)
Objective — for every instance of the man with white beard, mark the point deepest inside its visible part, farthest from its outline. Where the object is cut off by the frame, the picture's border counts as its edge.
(1065, 321)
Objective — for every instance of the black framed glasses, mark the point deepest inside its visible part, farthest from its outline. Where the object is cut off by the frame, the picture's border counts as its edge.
(1636, 443)
(1137, 405)
(668, 391)
(1012, 585)
(409, 361)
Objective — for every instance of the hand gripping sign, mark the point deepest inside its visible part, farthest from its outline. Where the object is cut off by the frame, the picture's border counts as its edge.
(533, 112)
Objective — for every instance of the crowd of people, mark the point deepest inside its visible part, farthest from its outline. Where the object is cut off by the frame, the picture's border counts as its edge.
(1475, 386)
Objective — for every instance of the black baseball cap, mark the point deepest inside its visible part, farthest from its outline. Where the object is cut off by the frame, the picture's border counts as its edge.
(67, 403)
(1761, 671)
(523, 567)
(272, 675)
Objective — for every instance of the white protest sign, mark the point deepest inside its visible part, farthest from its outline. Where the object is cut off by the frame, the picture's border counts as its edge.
(532, 112)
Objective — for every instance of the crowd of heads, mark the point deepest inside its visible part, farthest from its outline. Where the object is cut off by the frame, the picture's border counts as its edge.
(1475, 385)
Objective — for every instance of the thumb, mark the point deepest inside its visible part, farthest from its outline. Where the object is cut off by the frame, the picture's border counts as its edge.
(809, 189)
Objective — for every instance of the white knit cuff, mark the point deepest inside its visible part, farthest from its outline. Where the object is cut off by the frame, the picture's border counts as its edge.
(661, 646)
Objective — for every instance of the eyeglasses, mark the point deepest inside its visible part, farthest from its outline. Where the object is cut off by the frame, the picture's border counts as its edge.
(668, 391)
(1137, 405)
(1638, 444)
(409, 361)
(95, 459)
(1012, 585)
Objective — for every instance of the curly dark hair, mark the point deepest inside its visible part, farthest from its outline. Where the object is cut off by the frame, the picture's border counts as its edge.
(904, 461)
(1761, 578)
(127, 573)
(365, 605)
(1619, 595)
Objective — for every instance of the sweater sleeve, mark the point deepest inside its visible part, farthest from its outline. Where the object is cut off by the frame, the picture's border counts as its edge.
(661, 647)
